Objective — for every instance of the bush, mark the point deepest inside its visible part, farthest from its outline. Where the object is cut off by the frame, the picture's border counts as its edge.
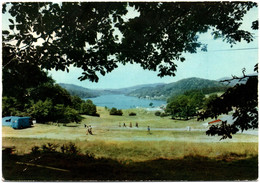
(70, 149)
(132, 114)
(41, 111)
(88, 108)
(72, 115)
(114, 111)
(9, 106)
(157, 113)
(49, 148)
(36, 150)
(97, 115)
(163, 114)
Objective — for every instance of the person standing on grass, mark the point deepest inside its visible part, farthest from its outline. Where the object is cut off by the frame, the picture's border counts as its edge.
(148, 129)
(90, 130)
(136, 124)
(87, 130)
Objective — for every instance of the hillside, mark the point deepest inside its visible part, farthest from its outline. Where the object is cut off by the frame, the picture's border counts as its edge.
(83, 92)
(172, 89)
(133, 88)
(233, 82)
(79, 91)
(152, 91)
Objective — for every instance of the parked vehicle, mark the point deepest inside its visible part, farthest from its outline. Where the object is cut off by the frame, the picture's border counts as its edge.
(16, 122)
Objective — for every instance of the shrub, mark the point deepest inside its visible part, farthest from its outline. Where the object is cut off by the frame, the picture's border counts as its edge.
(70, 149)
(114, 111)
(90, 155)
(72, 115)
(97, 115)
(49, 148)
(132, 114)
(163, 114)
(36, 150)
(157, 113)
(88, 108)
(41, 111)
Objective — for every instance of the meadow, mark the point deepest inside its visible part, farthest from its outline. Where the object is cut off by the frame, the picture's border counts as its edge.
(169, 140)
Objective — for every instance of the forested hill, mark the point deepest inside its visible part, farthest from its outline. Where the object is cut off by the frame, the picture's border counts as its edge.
(172, 89)
(79, 91)
(83, 92)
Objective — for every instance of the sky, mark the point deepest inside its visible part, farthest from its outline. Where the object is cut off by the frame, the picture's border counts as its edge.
(219, 61)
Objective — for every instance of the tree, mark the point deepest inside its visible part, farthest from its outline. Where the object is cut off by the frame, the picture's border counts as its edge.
(9, 106)
(185, 105)
(115, 111)
(76, 102)
(208, 105)
(88, 108)
(29, 91)
(42, 111)
(19, 79)
(241, 100)
(94, 36)
(65, 115)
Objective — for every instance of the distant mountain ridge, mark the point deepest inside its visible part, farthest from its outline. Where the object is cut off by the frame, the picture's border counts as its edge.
(159, 91)
(233, 82)
(172, 89)
(79, 91)
(83, 92)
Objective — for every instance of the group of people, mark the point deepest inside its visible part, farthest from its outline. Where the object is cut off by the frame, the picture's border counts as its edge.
(89, 129)
(130, 125)
(136, 125)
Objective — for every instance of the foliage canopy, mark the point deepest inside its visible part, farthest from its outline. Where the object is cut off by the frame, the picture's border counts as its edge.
(185, 105)
(242, 101)
(96, 36)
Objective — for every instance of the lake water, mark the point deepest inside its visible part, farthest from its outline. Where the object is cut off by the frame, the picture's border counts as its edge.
(124, 102)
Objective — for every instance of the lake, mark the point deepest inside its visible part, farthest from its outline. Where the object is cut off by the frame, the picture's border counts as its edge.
(124, 102)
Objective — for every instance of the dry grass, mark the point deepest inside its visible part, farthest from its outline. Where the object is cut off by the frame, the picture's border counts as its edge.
(170, 152)
(141, 151)
(168, 139)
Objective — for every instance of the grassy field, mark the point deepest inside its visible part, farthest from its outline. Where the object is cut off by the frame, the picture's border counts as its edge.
(135, 148)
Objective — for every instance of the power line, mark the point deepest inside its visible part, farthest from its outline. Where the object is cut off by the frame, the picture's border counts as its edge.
(238, 49)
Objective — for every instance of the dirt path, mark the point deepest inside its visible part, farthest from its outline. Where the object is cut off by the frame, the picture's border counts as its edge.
(250, 132)
(122, 134)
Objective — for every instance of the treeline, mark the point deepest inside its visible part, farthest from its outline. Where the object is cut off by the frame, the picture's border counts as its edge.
(29, 91)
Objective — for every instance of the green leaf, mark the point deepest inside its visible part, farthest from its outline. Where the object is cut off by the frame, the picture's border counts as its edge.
(5, 32)
(11, 27)
(18, 42)
(10, 20)
(182, 59)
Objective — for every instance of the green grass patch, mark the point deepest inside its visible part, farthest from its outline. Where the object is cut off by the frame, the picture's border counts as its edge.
(169, 152)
